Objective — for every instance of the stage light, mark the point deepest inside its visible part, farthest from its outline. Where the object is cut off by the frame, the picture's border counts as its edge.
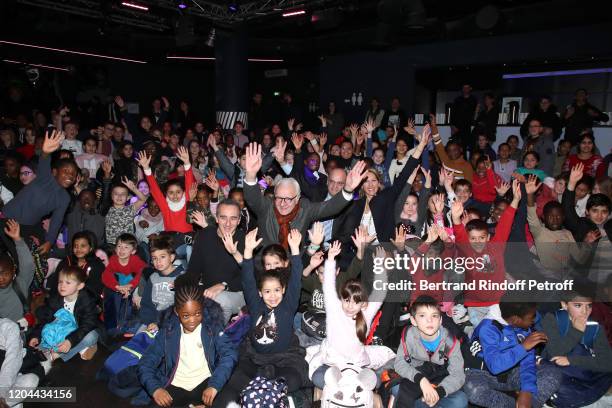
(182, 4)
(210, 41)
(37, 65)
(294, 13)
(135, 6)
(87, 54)
(558, 73)
(233, 8)
(190, 58)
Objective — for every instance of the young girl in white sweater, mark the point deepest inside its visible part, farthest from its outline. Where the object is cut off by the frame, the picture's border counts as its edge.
(348, 320)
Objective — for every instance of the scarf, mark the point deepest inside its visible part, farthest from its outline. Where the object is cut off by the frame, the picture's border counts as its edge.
(310, 176)
(283, 224)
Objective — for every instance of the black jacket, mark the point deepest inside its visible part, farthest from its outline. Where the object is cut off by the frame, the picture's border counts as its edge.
(581, 120)
(548, 119)
(94, 277)
(314, 192)
(85, 314)
(382, 205)
(463, 112)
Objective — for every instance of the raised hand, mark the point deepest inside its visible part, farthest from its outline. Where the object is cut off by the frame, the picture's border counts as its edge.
(400, 238)
(212, 142)
(427, 174)
(183, 154)
(290, 123)
(438, 203)
(230, 245)
(193, 191)
(253, 161)
(456, 211)
(433, 233)
(413, 174)
(575, 175)
(425, 136)
(316, 234)
(316, 260)
(13, 230)
(354, 128)
(250, 241)
(52, 142)
(516, 193)
(144, 160)
(323, 120)
(532, 184)
(294, 239)
(199, 218)
(119, 101)
(410, 129)
(355, 177)
(323, 138)
(279, 151)
(211, 181)
(334, 250)
(299, 127)
(128, 183)
(166, 103)
(369, 126)
(503, 188)
(297, 140)
(592, 236)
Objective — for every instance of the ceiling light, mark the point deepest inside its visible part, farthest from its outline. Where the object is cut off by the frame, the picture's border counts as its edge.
(182, 4)
(135, 6)
(37, 65)
(87, 54)
(233, 8)
(294, 13)
(210, 41)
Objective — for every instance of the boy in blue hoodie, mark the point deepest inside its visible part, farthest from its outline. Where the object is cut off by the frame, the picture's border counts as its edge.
(158, 290)
(505, 347)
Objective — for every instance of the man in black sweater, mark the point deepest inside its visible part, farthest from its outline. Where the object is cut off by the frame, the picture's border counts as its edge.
(217, 269)
(581, 115)
(462, 117)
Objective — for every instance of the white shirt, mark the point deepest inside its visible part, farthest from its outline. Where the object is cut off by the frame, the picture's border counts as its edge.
(69, 306)
(192, 367)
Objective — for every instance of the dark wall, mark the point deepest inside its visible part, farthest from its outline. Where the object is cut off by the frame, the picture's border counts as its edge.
(194, 81)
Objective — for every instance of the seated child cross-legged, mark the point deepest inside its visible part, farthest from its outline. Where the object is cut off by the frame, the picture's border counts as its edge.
(429, 360)
(120, 278)
(580, 347)
(158, 290)
(190, 360)
(73, 296)
(509, 364)
(271, 349)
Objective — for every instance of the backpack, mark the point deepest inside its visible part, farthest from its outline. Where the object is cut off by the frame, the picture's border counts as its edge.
(264, 393)
(238, 329)
(351, 386)
(129, 354)
(313, 324)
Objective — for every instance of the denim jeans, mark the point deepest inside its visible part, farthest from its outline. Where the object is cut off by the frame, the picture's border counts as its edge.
(318, 377)
(457, 399)
(484, 389)
(89, 340)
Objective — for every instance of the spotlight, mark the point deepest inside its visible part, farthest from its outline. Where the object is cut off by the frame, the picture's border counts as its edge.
(232, 8)
(182, 4)
(294, 13)
(210, 41)
(135, 6)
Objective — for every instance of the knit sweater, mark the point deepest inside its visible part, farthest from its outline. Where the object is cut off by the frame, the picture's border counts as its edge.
(483, 188)
(10, 304)
(134, 267)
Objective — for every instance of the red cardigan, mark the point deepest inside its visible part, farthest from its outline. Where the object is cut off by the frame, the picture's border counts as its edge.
(134, 267)
(173, 220)
(495, 249)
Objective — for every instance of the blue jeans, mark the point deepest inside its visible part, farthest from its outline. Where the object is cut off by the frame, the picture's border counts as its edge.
(318, 377)
(89, 340)
(457, 399)
(484, 389)
(183, 253)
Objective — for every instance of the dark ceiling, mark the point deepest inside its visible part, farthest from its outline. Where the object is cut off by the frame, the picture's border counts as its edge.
(327, 28)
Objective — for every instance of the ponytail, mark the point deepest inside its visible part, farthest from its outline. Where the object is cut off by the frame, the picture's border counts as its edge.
(361, 327)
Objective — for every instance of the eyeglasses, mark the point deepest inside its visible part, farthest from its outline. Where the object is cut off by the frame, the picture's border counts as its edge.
(335, 183)
(284, 200)
(25, 173)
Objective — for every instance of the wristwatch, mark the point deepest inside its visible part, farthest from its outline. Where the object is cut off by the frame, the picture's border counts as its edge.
(224, 284)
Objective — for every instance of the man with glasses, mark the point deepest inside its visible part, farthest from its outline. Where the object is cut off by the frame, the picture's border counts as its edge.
(288, 209)
(217, 269)
(542, 143)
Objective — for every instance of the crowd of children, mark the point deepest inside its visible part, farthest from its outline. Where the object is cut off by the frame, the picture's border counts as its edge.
(254, 270)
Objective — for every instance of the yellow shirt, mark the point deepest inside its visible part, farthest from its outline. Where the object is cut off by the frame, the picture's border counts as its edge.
(192, 366)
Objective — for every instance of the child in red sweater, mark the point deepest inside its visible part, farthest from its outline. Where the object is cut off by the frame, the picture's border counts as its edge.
(475, 242)
(120, 278)
(484, 181)
(174, 204)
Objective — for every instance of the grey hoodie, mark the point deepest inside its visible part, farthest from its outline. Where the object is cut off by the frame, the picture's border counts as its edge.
(418, 355)
(10, 304)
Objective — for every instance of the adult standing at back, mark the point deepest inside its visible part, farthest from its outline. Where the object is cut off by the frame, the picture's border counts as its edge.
(288, 210)
(462, 117)
(542, 143)
(581, 115)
